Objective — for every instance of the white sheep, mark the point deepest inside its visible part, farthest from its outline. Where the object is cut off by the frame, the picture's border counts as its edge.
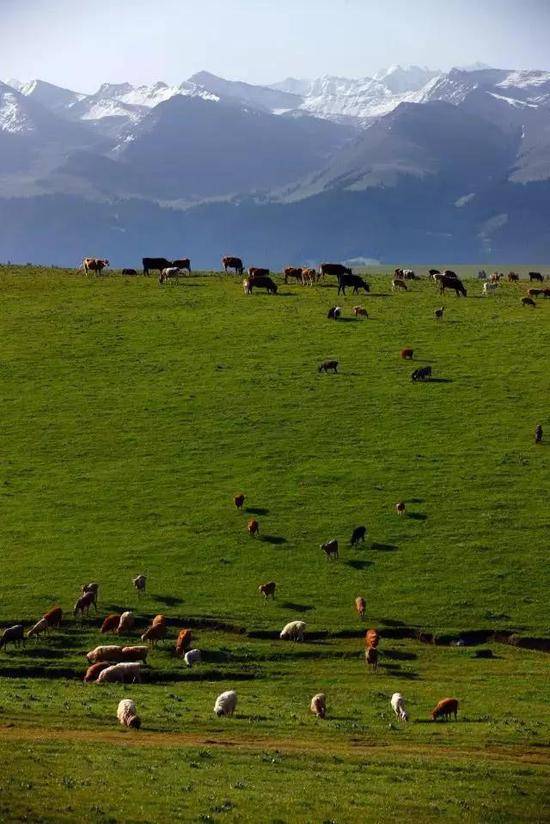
(129, 672)
(293, 631)
(226, 703)
(127, 714)
(125, 623)
(106, 653)
(192, 657)
(398, 706)
(318, 705)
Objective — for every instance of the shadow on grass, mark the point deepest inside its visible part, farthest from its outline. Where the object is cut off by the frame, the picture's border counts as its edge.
(273, 539)
(395, 670)
(348, 320)
(169, 600)
(417, 516)
(391, 622)
(438, 380)
(359, 564)
(383, 547)
(257, 510)
(399, 655)
(296, 607)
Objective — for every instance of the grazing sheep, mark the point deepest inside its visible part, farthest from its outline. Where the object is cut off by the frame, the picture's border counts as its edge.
(372, 638)
(268, 590)
(371, 657)
(293, 631)
(154, 634)
(85, 602)
(93, 671)
(127, 714)
(159, 619)
(54, 616)
(93, 586)
(140, 582)
(334, 312)
(358, 535)
(400, 507)
(439, 313)
(138, 653)
(127, 673)
(12, 635)
(192, 657)
(528, 302)
(398, 706)
(183, 641)
(538, 433)
(253, 527)
(407, 354)
(318, 705)
(360, 606)
(226, 703)
(105, 653)
(330, 548)
(110, 623)
(329, 366)
(40, 627)
(125, 624)
(445, 708)
(360, 311)
(238, 500)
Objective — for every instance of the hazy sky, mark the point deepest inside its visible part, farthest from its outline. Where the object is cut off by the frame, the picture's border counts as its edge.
(82, 43)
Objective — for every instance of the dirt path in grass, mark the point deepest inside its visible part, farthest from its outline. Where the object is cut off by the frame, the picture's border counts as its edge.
(351, 748)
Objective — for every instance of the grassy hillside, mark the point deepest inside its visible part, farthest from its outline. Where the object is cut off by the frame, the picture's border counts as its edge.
(131, 415)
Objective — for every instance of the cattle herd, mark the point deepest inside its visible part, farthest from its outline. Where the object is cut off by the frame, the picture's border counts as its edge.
(125, 663)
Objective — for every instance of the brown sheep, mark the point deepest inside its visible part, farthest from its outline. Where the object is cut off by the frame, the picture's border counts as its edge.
(445, 708)
(110, 623)
(371, 657)
(54, 616)
(318, 705)
(253, 527)
(85, 602)
(183, 642)
(93, 671)
(138, 653)
(372, 638)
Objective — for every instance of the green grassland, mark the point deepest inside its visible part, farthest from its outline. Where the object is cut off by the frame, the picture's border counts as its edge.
(130, 416)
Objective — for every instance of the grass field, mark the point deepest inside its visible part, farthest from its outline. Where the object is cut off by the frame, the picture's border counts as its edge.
(130, 416)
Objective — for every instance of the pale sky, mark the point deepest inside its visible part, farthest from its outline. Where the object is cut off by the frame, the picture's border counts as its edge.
(83, 43)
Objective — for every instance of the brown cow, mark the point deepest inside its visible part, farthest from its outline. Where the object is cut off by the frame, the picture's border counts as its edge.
(329, 366)
(445, 708)
(360, 606)
(535, 293)
(407, 354)
(253, 527)
(292, 272)
(256, 271)
(309, 276)
(53, 616)
(513, 277)
(94, 265)
(183, 642)
(360, 311)
(234, 263)
(268, 590)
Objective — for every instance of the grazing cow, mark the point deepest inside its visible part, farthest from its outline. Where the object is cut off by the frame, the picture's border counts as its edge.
(546, 293)
(238, 500)
(335, 269)
(226, 703)
(359, 311)
(400, 507)
(355, 281)
(538, 433)
(268, 590)
(448, 273)
(446, 282)
(535, 293)
(433, 272)
(318, 705)
(398, 706)
(408, 274)
(439, 313)
(398, 284)
(96, 265)
(183, 641)
(171, 273)
(253, 527)
(372, 638)
(360, 606)
(445, 708)
(110, 623)
(12, 635)
(421, 374)
(329, 366)
(183, 263)
(127, 714)
(334, 312)
(129, 272)
(528, 302)
(330, 548)
(257, 272)
(155, 264)
(93, 671)
(489, 286)
(261, 282)
(513, 277)
(407, 354)
(536, 276)
(496, 277)
(482, 275)
(139, 582)
(358, 535)
(54, 616)
(234, 263)
(293, 631)
(292, 272)
(84, 603)
(371, 657)
(309, 276)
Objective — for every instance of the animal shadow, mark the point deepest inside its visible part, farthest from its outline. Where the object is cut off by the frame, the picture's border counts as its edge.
(399, 655)
(169, 600)
(417, 516)
(391, 622)
(348, 320)
(273, 539)
(384, 547)
(257, 510)
(439, 380)
(416, 500)
(395, 669)
(359, 564)
(296, 607)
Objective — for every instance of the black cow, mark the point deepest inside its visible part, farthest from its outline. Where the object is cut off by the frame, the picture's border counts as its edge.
(155, 264)
(234, 263)
(451, 283)
(352, 280)
(183, 263)
(262, 282)
(358, 535)
(333, 269)
(129, 272)
(536, 276)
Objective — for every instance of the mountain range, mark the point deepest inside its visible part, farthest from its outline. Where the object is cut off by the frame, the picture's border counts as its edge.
(409, 165)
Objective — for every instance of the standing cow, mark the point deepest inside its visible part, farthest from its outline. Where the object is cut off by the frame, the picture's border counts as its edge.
(335, 269)
(234, 263)
(96, 265)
